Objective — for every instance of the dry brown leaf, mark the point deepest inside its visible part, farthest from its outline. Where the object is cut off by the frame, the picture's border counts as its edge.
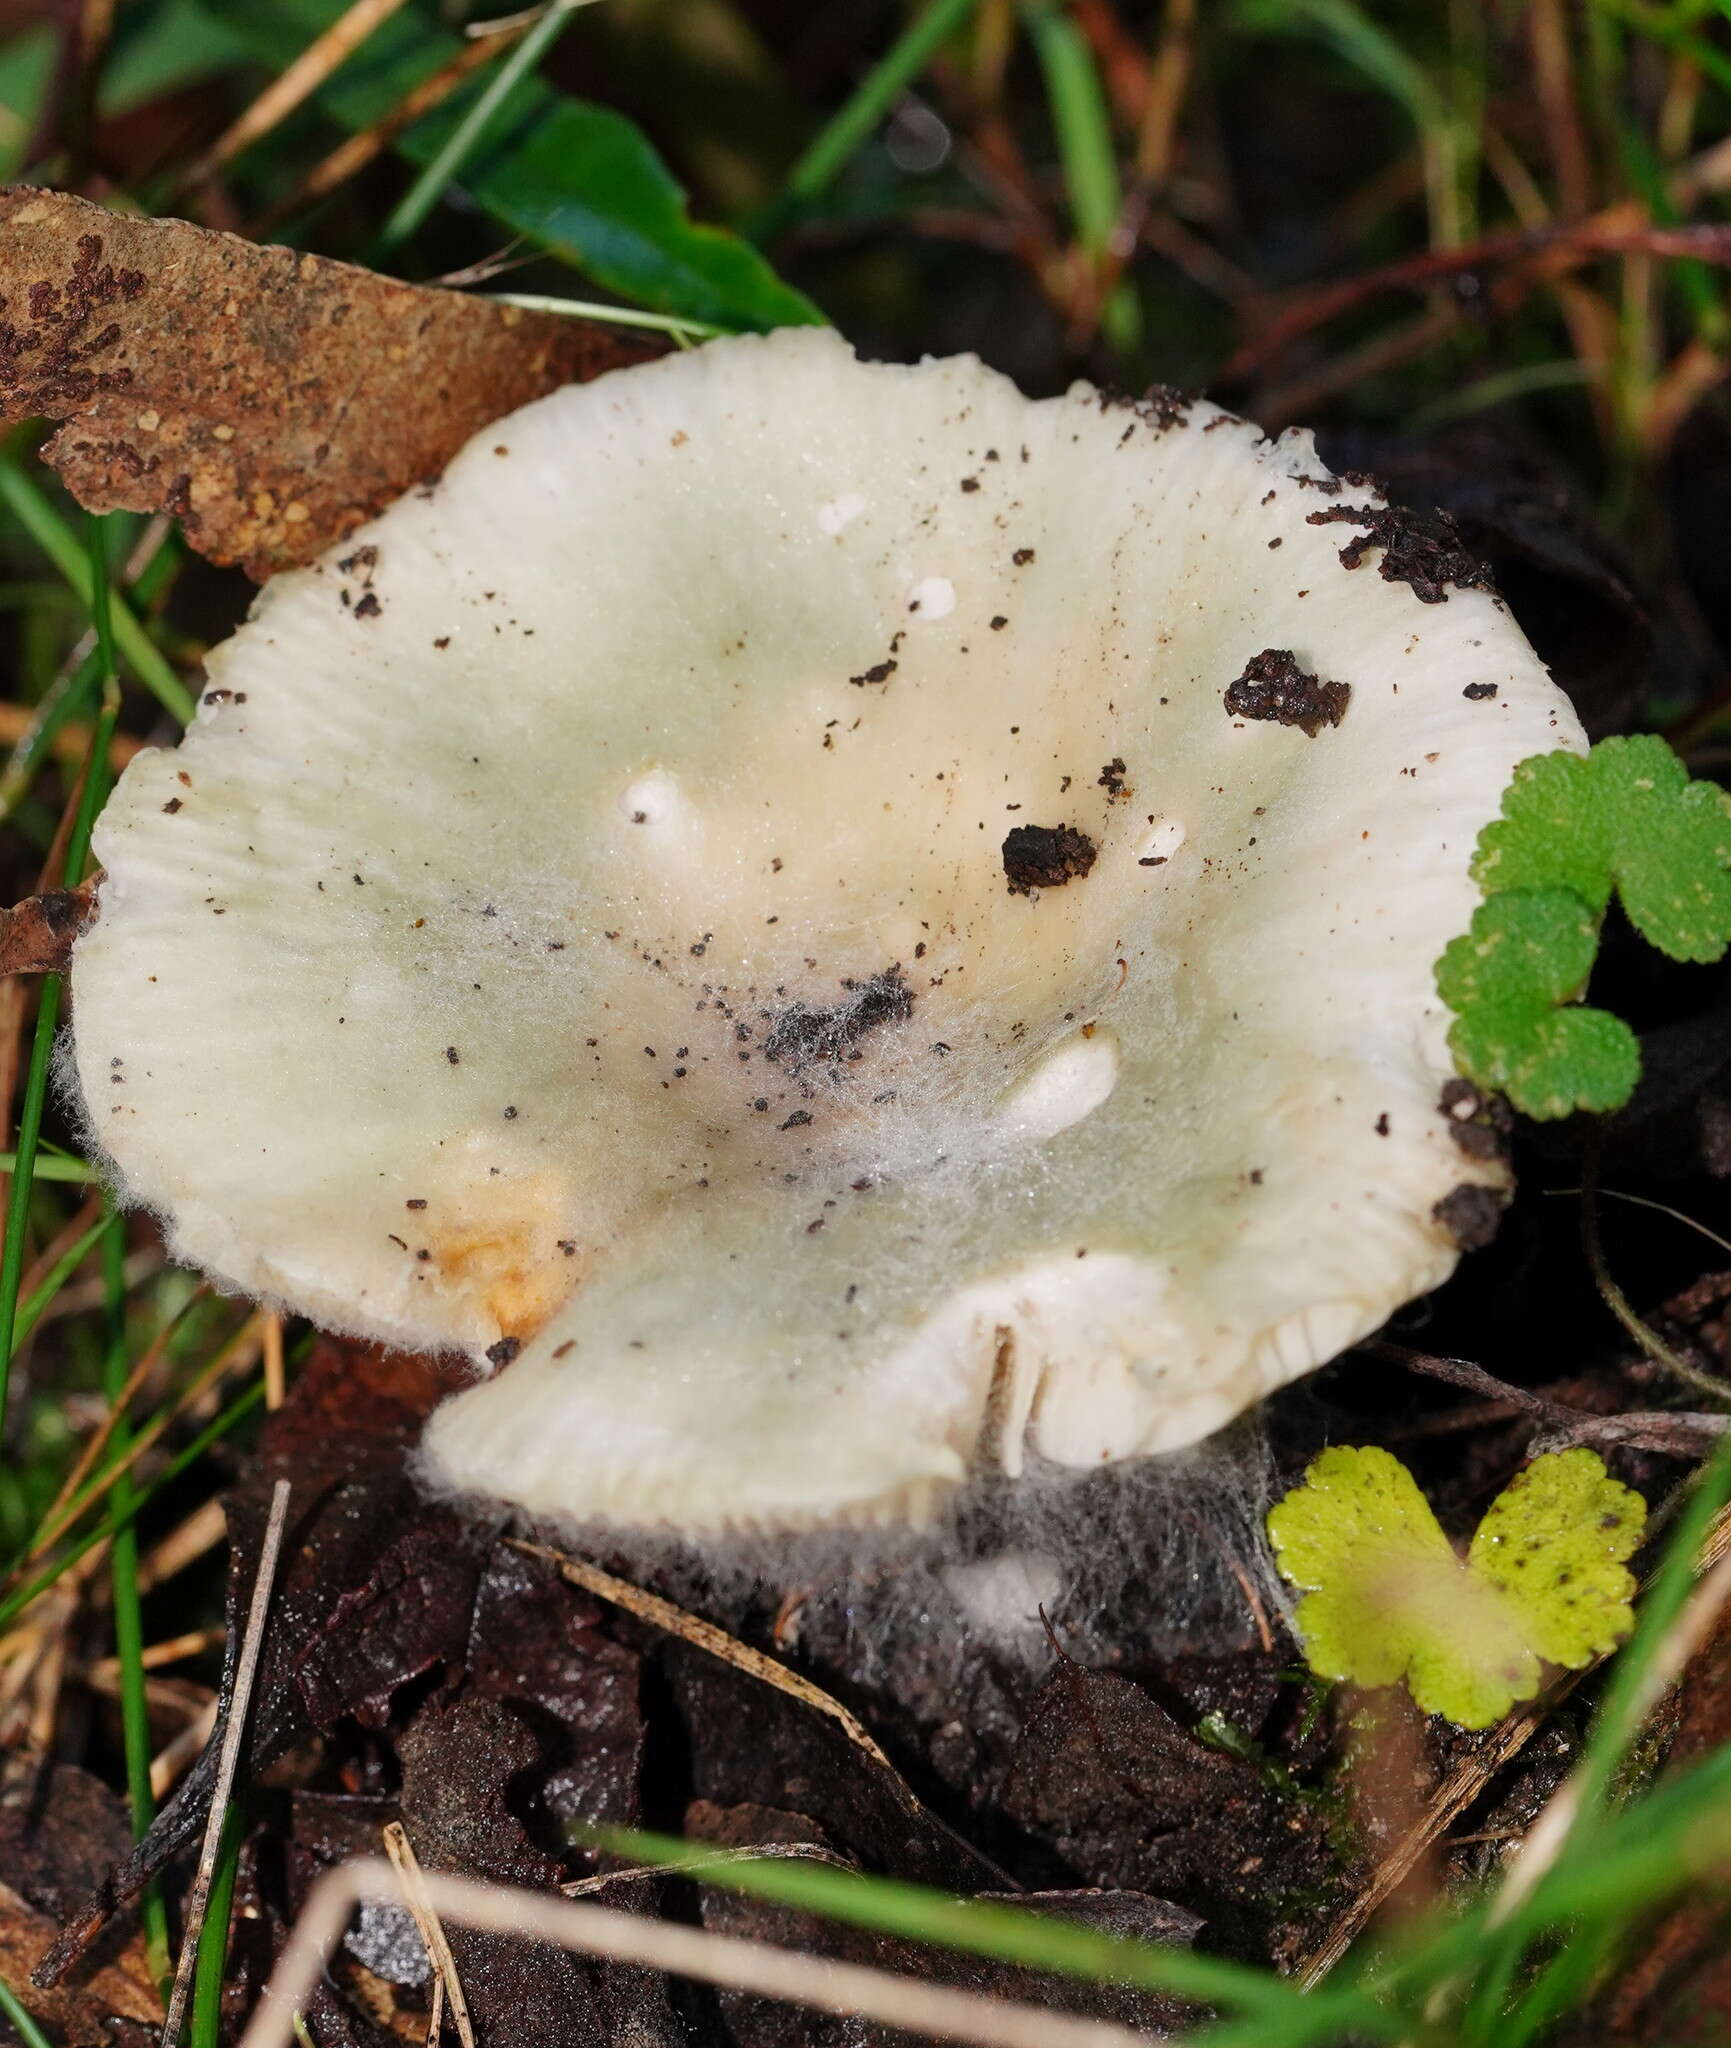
(36, 935)
(271, 400)
(82, 2016)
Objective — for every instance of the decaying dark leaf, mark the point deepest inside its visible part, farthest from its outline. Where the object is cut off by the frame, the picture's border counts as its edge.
(753, 1745)
(356, 1528)
(60, 1829)
(764, 2024)
(36, 935)
(408, 1635)
(270, 399)
(1128, 1799)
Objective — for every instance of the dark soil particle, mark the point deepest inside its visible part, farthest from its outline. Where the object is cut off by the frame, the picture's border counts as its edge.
(1479, 1122)
(1471, 1215)
(1111, 779)
(1161, 406)
(801, 1037)
(504, 1351)
(1423, 550)
(1478, 692)
(1046, 857)
(1274, 689)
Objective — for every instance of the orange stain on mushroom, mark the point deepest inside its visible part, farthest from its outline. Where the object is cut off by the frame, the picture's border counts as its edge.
(508, 1258)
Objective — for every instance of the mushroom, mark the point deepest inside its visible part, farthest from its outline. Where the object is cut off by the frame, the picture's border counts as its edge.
(839, 924)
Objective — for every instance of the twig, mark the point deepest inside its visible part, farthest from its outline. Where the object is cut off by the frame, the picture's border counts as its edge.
(762, 1852)
(1618, 1302)
(848, 1989)
(422, 1911)
(302, 78)
(274, 1389)
(228, 1761)
(1570, 244)
(705, 1635)
(354, 154)
(1676, 1434)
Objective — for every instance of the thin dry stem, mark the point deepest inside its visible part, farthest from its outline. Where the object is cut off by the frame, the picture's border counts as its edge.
(426, 1918)
(691, 1628)
(271, 1340)
(848, 1989)
(302, 78)
(178, 1755)
(55, 1527)
(184, 1544)
(1559, 105)
(86, 1459)
(228, 1761)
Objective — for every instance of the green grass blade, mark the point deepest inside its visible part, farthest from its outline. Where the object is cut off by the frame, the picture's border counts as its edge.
(23, 1177)
(1361, 41)
(1081, 123)
(610, 316)
(18, 1191)
(101, 597)
(1085, 149)
(213, 1937)
(31, 1310)
(128, 1615)
(236, 1412)
(1625, 1703)
(33, 511)
(457, 148)
(52, 1166)
(19, 2020)
(835, 143)
(66, 696)
(1007, 1933)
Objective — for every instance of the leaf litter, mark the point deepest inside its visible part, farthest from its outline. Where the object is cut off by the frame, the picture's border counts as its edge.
(271, 400)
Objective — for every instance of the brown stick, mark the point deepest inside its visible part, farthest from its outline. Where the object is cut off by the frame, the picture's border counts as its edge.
(302, 78)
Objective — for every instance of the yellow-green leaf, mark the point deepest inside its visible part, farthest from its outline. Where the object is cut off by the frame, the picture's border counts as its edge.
(1387, 1598)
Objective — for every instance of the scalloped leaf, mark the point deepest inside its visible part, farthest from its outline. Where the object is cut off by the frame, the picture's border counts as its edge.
(1626, 817)
(1387, 1598)
(1556, 1542)
(1524, 955)
(1573, 829)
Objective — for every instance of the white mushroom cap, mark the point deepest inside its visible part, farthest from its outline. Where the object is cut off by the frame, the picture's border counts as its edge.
(580, 924)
